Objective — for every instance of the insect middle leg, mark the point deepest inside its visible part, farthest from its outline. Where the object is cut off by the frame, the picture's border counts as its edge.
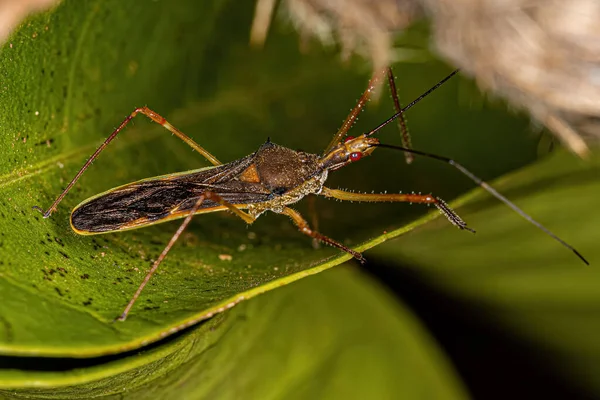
(305, 228)
(208, 195)
(154, 117)
(314, 219)
(406, 198)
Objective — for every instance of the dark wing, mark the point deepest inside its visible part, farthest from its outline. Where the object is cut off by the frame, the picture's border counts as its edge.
(165, 197)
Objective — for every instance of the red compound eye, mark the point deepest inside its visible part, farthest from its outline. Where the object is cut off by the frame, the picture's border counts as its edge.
(355, 156)
(348, 138)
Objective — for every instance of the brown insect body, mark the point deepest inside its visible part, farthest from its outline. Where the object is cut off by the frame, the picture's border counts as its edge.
(269, 179)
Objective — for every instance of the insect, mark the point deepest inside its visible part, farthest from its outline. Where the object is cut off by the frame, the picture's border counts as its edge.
(271, 179)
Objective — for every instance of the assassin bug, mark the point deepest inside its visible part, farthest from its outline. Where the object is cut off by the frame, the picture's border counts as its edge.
(270, 179)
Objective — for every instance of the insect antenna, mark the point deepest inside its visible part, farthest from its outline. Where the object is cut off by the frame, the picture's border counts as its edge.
(487, 188)
(412, 103)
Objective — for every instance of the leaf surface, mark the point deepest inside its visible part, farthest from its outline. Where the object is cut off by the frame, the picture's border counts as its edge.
(331, 335)
(68, 80)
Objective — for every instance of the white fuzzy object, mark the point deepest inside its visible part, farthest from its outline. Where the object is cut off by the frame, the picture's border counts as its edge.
(541, 55)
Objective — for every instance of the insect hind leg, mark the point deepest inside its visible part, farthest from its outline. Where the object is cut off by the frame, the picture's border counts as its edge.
(208, 195)
(188, 140)
(154, 117)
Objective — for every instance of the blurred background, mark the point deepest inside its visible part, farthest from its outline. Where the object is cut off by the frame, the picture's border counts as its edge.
(504, 313)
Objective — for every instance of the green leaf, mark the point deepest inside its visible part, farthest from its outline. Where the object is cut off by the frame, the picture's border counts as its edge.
(71, 75)
(69, 80)
(334, 335)
(525, 283)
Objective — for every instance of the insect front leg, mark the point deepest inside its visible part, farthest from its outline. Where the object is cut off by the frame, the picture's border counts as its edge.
(305, 228)
(208, 195)
(351, 118)
(362, 101)
(401, 120)
(154, 117)
(405, 198)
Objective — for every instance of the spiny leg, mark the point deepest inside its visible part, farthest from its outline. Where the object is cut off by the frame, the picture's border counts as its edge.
(205, 196)
(374, 83)
(401, 121)
(485, 186)
(304, 228)
(154, 117)
(188, 140)
(351, 118)
(405, 198)
(161, 257)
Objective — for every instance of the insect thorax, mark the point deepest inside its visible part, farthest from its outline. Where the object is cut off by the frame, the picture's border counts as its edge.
(287, 174)
(277, 203)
